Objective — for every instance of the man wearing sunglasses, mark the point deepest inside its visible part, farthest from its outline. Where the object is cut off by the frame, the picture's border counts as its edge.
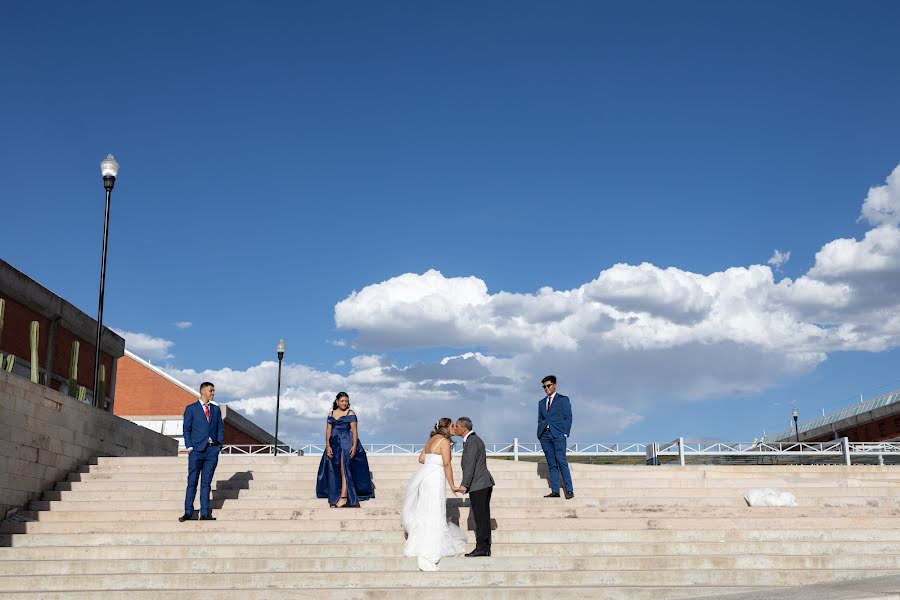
(554, 427)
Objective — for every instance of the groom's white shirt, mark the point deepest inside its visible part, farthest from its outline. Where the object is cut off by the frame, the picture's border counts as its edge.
(466, 436)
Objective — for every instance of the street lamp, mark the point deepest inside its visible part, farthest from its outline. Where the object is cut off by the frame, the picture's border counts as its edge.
(109, 168)
(796, 414)
(280, 350)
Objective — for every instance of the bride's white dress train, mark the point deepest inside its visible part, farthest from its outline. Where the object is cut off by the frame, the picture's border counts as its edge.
(424, 517)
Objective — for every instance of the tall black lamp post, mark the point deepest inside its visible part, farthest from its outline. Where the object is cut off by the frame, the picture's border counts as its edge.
(796, 414)
(280, 350)
(109, 168)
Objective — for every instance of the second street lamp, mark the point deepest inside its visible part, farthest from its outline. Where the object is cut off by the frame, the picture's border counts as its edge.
(280, 350)
(796, 414)
(109, 168)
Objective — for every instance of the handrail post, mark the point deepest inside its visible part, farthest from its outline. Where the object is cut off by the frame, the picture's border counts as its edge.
(845, 448)
(516, 449)
(652, 454)
(681, 451)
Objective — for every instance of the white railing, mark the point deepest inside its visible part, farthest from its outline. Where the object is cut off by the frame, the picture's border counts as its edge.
(257, 449)
(678, 449)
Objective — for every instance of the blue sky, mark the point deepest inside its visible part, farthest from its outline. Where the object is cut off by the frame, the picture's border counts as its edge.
(590, 189)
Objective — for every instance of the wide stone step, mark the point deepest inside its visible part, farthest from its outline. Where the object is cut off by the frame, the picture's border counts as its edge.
(463, 577)
(661, 521)
(197, 534)
(144, 502)
(512, 476)
(504, 471)
(238, 511)
(819, 496)
(398, 486)
(392, 472)
(318, 564)
(623, 550)
(494, 592)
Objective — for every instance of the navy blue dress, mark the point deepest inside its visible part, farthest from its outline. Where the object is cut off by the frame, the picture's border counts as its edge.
(356, 469)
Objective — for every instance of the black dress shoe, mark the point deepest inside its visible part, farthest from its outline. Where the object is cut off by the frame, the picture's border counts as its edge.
(570, 495)
(478, 552)
(552, 495)
(207, 518)
(184, 518)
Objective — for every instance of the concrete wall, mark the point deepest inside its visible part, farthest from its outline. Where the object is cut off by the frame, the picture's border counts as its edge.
(44, 435)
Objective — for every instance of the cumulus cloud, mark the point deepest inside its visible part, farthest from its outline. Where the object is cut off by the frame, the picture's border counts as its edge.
(147, 346)
(779, 258)
(623, 343)
(395, 403)
(882, 204)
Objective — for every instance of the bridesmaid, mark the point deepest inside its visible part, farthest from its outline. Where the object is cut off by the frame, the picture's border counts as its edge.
(344, 476)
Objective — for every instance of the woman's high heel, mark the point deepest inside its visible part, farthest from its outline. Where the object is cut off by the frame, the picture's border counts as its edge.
(344, 498)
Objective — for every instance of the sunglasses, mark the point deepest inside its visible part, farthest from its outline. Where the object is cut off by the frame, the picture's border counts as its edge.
(546, 385)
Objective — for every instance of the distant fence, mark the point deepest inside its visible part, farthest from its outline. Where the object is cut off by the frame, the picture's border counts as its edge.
(678, 451)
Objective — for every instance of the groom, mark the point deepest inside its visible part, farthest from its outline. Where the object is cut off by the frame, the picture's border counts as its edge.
(478, 483)
(204, 431)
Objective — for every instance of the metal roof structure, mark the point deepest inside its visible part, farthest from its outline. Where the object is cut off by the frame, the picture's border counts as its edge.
(838, 417)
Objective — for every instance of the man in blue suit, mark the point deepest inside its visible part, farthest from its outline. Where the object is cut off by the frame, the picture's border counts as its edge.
(204, 431)
(554, 427)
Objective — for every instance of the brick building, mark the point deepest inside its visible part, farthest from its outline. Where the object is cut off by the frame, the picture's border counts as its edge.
(150, 397)
(47, 339)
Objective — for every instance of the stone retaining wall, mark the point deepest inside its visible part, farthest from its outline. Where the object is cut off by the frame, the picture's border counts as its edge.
(44, 435)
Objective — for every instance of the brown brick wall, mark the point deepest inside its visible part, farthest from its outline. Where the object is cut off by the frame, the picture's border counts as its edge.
(16, 340)
(140, 391)
(233, 435)
(881, 430)
(17, 332)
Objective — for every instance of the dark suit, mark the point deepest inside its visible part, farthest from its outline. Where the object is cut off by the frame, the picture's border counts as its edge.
(554, 426)
(479, 484)
(206, 440)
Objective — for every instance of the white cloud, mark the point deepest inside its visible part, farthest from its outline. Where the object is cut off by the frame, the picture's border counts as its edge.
(183, 324)
(882, 204)
(878, 253)
(147, 346)
(779, 258)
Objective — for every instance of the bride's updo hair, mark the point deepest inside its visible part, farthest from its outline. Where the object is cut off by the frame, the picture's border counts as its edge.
(338, 397)
(442, 427)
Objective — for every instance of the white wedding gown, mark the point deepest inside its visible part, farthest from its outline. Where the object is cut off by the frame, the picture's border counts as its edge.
(424, 517)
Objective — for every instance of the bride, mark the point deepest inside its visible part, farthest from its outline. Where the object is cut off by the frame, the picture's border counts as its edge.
(429, 535)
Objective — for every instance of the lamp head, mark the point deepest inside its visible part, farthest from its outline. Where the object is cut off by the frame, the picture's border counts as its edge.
(280, 349)
(795, 413)
(109, 168)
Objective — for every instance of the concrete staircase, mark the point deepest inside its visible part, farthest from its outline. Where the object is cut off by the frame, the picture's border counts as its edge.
(631, 532)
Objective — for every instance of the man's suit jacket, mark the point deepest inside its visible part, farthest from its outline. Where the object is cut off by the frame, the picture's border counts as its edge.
(474, 465)
(559, 419)
(197, 432)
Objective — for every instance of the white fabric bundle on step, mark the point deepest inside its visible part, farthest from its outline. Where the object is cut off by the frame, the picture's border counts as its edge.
(769, 497)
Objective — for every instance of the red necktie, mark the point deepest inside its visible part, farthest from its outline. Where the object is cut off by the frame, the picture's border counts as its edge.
(206, 410)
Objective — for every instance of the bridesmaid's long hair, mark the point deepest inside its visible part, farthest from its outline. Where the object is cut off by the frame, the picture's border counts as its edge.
(441, 426)
(338, 397)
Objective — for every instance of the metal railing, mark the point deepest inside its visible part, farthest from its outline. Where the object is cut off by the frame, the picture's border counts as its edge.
(678, 450)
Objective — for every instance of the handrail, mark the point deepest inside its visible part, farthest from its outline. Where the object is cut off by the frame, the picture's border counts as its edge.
(678, 448)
